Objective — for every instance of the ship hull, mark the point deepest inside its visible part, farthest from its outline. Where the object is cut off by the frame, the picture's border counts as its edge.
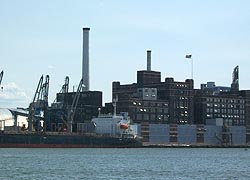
(65, 141)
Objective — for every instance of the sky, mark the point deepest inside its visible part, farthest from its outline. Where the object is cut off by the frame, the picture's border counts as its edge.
(45, 37)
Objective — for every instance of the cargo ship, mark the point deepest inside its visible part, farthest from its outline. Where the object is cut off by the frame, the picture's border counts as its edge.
(65, 140)
(108, 131)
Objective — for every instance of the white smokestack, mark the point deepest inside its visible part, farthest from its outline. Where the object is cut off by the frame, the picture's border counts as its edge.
(148, 60)
(85, 58)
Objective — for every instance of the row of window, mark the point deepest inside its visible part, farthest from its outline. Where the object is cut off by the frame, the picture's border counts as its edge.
(152, 110)
(153, 90)
(231, 122)
(223, 100)
(183, 98)
(181, 107)
(181, 85)
(151, 104)
(226, 116)
(147, 95)
(182, 121)
(151, 117)
(225, 105)
(230, 111)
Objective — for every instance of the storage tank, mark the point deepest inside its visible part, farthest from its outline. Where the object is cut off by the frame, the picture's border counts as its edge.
(6, 118)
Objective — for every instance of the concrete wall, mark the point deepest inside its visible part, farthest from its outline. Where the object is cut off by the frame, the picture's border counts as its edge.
(187, 134)
(158, 134)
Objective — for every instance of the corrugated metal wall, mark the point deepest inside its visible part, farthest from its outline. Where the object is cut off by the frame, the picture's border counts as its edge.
(158, 134)
(212, 135)
(186, 134)
(238, 135)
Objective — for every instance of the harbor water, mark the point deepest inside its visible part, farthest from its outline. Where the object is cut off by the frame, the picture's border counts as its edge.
(125, 164)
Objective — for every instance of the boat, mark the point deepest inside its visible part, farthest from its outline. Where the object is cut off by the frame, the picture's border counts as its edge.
(108, 132)
(64, 140)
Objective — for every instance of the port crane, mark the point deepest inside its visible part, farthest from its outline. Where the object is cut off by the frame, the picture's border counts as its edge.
(72, 109)
(65, 87)
(59, 107)
(39, 104)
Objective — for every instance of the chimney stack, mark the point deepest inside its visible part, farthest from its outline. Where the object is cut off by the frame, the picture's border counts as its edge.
(85, 58)
(148, 60)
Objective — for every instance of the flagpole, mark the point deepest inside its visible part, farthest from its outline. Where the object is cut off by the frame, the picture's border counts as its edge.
(192, 68)
(189, 56)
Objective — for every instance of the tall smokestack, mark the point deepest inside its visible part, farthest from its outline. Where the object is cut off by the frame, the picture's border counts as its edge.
(85, 58)
(148, 60)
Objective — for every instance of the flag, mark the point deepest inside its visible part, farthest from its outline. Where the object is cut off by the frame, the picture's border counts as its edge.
(189, 56)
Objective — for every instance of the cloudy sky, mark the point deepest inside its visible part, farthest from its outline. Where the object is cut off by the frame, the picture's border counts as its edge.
(45, 37)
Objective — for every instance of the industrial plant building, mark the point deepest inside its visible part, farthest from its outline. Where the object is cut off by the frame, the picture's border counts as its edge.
(190, 115)
(72, 111)
(152, 101)
(167, 112)
(87, 107)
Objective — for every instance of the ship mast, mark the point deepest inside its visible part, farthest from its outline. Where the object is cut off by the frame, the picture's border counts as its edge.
(114, 104)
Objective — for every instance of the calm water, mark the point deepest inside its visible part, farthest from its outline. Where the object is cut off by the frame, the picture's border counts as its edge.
(124, 164)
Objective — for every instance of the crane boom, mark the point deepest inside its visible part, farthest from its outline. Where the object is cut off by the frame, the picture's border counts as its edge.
(72, 110)
(45, 90)
(1, 77)
(65, 88)
(39, 103)
(38, 89)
